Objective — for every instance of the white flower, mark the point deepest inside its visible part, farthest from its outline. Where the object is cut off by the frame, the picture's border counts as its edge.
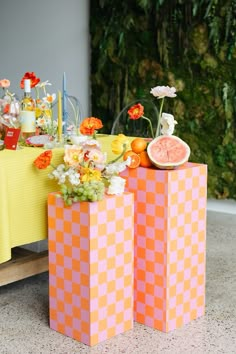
(117, 167)
(163, 91)
(117, 185)
(59, 174)
(74, 177)
(43, 84)
(49, 98)
(168, 124)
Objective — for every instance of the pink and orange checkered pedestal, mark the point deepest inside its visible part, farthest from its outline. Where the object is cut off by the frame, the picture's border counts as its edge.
(91, 267)
(169, 239)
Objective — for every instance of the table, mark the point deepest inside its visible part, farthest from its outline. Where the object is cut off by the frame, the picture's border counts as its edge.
(23, 195)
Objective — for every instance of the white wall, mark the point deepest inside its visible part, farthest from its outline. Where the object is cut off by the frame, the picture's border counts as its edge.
(48, 37)
(227, 206)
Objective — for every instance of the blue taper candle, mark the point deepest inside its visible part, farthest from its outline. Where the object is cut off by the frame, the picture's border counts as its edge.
(64, 103)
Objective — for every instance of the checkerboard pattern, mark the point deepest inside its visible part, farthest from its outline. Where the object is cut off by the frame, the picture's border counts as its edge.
(91, 267)
(169, 239)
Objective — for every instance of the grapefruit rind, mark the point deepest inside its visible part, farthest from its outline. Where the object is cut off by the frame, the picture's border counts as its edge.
(168, 151)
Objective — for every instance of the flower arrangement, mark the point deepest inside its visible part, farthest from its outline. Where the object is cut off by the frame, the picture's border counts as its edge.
(85, 175)
(9, 106)
(44, 104)
(165, 120)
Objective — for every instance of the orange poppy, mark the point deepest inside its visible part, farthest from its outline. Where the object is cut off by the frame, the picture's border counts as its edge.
(89, 125)
(32, 77)
(43, 160)
(136, 111)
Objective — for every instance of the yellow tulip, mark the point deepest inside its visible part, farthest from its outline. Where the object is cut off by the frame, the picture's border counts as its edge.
(119, 143)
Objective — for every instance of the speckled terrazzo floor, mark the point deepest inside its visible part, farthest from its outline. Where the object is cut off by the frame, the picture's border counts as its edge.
(24, 312)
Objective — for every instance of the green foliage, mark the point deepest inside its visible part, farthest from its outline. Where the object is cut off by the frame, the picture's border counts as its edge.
(137, 45)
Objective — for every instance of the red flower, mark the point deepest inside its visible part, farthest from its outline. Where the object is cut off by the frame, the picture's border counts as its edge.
(89, 125)
(30, 75)
(6, 108)
(136, 111)
(43, 160)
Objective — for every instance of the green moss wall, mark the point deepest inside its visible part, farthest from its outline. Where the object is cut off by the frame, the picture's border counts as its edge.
(137, 45)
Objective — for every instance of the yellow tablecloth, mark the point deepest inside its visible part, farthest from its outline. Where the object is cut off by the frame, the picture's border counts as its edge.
(23, 198)
(23, 195)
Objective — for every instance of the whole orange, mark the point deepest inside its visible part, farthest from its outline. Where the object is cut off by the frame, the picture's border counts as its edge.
(145, 160)
(138, 145)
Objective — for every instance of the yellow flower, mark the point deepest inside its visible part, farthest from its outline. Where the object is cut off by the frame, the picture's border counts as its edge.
(119, 144)
(38, 112)
(89, 174)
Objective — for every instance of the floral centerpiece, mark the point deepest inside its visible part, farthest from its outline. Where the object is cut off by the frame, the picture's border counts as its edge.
(44, 102)
(165, 120)
(85, 174)
(9, 106)
(165, 150)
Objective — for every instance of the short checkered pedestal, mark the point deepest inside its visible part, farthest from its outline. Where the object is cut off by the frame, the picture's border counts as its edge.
(169, 241)
(91, 267)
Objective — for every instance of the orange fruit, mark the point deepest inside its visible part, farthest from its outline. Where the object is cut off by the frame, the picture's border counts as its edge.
(135, 159)
(138, 145)
(145, 160)
(127, 153)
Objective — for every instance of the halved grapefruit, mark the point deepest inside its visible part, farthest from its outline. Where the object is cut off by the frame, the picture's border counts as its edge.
(168, 151)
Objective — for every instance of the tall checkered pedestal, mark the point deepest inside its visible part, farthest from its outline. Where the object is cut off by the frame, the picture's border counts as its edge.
(91, 267)
(169, 239)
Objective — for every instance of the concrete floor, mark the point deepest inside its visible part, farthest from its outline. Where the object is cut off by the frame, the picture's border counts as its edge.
(24, 312)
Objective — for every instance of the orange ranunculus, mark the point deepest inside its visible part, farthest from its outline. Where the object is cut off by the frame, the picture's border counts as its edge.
(43, 160)
(89, 125)
(136, 111)
(30, 75)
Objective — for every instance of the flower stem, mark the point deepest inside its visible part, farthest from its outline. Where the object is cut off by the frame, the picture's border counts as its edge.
(95, 135)
(159, 119)
(150, 124)
(118, 157)
(76, 115)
